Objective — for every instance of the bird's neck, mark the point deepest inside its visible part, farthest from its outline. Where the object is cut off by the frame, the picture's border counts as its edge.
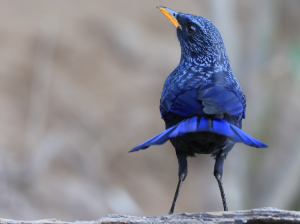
(208, 60)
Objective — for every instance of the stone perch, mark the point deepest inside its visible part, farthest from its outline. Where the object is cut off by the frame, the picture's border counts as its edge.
(257, 216)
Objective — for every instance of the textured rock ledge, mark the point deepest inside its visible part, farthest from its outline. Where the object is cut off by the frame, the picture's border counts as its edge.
(259, 215)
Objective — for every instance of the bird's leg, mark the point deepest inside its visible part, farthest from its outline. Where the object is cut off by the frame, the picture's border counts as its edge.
(182, 173)
(218, 173)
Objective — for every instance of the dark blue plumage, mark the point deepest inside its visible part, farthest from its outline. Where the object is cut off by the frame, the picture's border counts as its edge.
(202, 103)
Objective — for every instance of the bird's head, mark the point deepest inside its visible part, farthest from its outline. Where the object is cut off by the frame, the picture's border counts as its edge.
(199, 38)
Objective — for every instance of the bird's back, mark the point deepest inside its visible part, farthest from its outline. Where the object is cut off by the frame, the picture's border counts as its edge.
(186, 80)
(180, 101)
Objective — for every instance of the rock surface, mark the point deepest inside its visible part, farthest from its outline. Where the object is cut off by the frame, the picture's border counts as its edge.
(259, 215)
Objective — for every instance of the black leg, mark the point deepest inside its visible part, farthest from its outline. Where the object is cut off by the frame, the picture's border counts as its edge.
(218, 173)
(182, 173)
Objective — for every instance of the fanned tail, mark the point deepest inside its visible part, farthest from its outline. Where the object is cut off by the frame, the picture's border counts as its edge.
(201, 124)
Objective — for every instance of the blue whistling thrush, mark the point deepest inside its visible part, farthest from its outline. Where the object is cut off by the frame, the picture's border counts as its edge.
(202, 103)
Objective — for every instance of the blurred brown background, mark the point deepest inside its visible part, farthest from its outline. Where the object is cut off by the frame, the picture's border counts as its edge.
(80, 86)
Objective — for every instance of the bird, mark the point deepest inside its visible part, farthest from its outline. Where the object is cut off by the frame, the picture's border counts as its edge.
(202, 103)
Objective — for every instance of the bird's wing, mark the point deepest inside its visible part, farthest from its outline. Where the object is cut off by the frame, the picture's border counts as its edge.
(206, 99)
(186, 104)
(219, 100)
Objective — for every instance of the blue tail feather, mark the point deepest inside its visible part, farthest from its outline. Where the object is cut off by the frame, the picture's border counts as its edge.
(218, 126)
(247, 139)
(203, 124)
(175, 132)
(192, 124)
(159, 139)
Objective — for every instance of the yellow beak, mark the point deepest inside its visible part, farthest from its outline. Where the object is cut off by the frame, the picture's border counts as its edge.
(168, 13)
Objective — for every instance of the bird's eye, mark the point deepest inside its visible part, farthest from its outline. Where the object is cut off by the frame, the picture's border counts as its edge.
(191, 28)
